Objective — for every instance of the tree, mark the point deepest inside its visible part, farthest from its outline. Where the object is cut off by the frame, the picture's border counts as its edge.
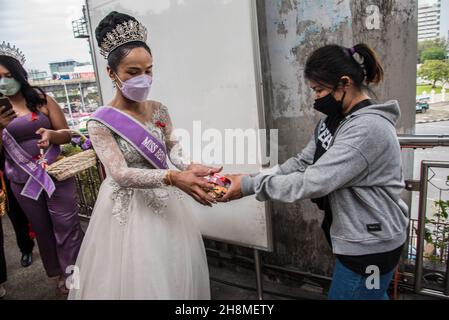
(435, 70)
(434, 53)
(432, 48)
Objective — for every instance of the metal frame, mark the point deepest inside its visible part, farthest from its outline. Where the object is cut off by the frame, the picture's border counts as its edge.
(425, 142)
(92, 50)
(421, 231)
(80, 28)
(258, 265)
(262, 125)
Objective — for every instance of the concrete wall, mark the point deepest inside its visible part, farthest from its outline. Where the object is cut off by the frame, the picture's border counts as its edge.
(290, 30)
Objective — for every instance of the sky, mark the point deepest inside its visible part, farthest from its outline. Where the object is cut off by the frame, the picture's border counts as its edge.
(42, 29)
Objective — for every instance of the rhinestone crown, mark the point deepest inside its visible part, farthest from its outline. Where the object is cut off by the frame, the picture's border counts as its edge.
(6, 49)
(123, 33)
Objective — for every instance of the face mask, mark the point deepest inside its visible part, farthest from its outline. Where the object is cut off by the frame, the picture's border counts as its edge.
(137, 88)
(329, 105)
(9, 86)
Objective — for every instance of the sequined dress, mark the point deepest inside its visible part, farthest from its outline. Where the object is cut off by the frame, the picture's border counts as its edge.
(143, 241)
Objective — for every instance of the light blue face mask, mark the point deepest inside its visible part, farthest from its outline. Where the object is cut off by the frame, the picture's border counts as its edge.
(9, 86)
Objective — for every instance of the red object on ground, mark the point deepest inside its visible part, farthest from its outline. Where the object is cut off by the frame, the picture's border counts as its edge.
(31, 232)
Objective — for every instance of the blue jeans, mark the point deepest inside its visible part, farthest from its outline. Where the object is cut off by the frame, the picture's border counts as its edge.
(348, 285)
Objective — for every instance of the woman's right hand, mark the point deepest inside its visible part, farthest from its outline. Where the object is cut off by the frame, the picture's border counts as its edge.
(193, 184)
(6, 116)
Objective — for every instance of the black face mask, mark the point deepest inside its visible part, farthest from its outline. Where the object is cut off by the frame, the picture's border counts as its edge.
(329, 105)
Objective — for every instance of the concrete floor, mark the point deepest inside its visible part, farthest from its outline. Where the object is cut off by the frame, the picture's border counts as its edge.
(32, 283)
(25, 283)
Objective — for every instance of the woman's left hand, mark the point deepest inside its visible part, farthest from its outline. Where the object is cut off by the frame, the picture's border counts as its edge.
(46, 136)
(235, 191)
(202, 170)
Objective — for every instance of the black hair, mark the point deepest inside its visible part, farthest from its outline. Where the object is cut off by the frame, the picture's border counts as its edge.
(330, 63)
(35, 97)
(107, 25)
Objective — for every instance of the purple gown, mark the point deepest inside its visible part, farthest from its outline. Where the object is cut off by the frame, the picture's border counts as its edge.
(55, 220)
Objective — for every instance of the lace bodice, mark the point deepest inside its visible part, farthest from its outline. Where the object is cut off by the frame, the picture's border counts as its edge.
(127, 170)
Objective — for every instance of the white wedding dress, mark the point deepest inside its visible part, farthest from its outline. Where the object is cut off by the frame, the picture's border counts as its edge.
(143, 241)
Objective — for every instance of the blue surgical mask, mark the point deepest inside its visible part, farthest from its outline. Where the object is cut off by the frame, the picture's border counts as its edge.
(9, 86)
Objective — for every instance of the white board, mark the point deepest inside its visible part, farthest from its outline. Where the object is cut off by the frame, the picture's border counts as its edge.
(206, 68)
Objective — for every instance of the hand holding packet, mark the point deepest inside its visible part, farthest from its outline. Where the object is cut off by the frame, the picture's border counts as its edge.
(222, 185)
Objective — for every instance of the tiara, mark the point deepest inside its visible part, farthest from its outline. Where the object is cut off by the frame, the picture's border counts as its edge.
(123, 33)
(11, 51)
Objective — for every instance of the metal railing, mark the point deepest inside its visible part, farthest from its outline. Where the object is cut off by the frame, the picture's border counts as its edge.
(423, 141)
(422, 221)
(430, 279)
(88, 184)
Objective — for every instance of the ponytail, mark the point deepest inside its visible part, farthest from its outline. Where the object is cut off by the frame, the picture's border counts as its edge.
(371, 64)
(327, 65)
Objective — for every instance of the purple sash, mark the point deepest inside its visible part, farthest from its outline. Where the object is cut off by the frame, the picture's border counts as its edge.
(135, 133)
(39, 179)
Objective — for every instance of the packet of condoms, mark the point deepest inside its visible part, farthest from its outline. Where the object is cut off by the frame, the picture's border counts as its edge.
(222, 185)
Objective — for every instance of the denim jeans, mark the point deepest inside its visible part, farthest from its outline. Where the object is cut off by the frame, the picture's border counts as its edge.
(348, 285)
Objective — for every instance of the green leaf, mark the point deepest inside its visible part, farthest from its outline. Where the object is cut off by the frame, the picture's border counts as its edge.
(434, 70)
(428, 236)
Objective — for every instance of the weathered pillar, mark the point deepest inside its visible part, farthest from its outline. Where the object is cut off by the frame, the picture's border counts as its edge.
(290, 30)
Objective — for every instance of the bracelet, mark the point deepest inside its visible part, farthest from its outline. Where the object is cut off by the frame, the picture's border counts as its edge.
(168, 178)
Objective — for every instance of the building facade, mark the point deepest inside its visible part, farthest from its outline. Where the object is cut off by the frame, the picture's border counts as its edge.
(433, 20)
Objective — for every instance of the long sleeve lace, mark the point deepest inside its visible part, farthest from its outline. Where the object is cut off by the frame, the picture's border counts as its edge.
(113, 158)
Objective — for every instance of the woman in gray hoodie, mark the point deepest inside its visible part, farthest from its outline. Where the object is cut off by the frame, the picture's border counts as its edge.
(351, 169)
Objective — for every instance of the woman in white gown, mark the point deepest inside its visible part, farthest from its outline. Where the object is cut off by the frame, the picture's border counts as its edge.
(142, 241)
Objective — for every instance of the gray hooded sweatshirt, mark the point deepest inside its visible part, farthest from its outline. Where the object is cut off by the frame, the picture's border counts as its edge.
(362, 174)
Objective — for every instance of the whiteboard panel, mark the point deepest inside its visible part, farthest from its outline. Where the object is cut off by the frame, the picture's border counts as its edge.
(206, 68)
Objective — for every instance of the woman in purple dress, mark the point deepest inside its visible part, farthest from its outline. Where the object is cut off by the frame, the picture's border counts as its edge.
(32, 125)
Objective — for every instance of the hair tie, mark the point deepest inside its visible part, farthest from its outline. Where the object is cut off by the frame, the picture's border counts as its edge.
(359, 59)
(352, 51)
